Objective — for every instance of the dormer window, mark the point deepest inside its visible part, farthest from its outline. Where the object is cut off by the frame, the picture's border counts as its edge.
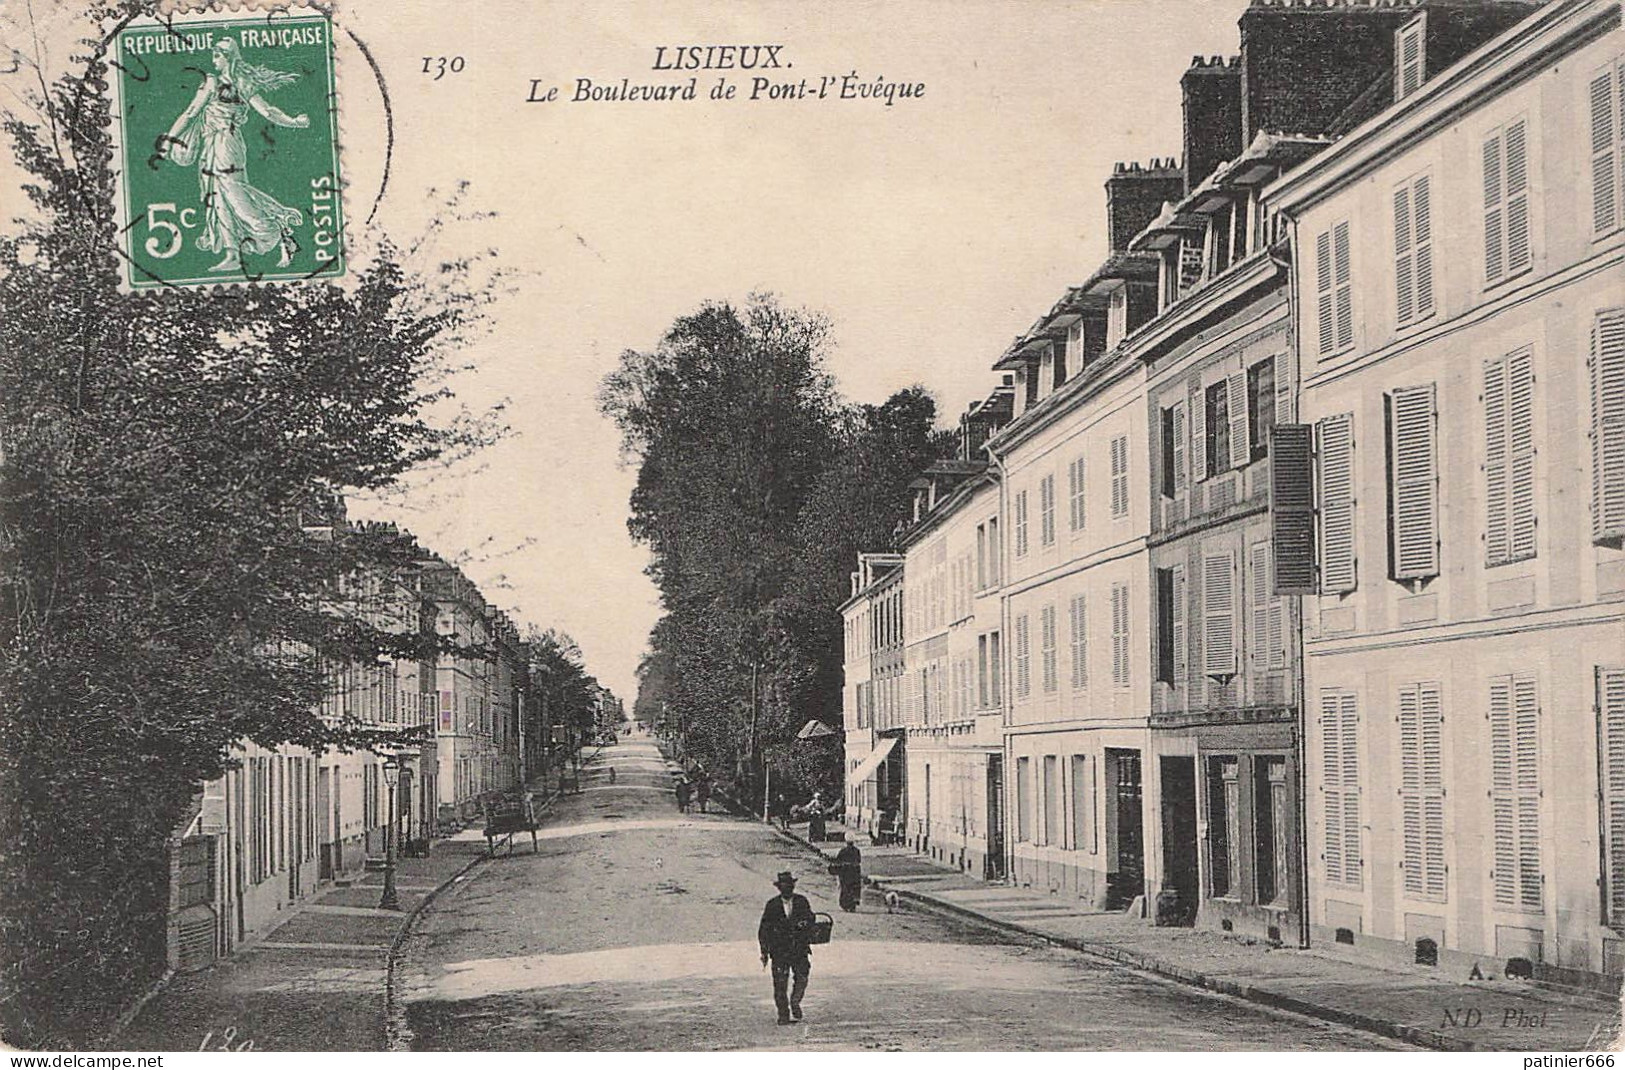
(1061, 349)
(1410, 57)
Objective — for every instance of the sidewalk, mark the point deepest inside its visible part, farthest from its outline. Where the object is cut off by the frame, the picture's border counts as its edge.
(1405, 1003)
(319, 980)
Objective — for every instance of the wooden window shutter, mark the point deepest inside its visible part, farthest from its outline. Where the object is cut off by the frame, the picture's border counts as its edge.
(1218, 614)
(1240, 447)
(1413, 458)
(1421, 789)
(1165, 625)
(1196, 439)
(1258, 594)
(1605, 162)
(1324, 297)
(1074, 480)
(1410, 787)
(1021, 523)
(1494, 211)
(1046, 510)
(1413, 251)
(1120, 494)
(1338, 571)
(1509, 458)
(1340, 777)
(1179, 448)
(1515, 790)
(1422, 239)
(1342, 281)
(1292, 508)
(1611, 785)
(1349, 737)
(1046, 628)
(1218, 427)
(1120, 624)
(1080, 643)
(1411, 68)
(1517, 197)
(1024, 676)
(1181, 655)
(1526, 719)
(1404, 257)
(1608, 426)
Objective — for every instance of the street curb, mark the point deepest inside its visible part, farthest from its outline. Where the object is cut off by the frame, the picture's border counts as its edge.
(397, 1037)
(1424, 1038)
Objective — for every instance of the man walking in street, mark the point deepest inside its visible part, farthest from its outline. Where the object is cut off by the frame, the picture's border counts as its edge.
(702, 792)
(786, 924)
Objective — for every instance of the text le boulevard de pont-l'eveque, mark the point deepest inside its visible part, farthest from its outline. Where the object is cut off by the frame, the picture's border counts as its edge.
(763, 73)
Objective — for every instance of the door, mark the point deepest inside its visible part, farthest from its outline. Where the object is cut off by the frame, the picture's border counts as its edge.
(1127, 879)
(324, 830)
(994, 866)
(1179, 850)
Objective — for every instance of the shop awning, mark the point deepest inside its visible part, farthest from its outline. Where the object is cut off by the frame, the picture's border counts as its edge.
(867, 767)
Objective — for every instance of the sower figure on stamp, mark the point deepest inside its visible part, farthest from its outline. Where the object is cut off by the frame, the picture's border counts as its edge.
(237, 217)
(787, 922)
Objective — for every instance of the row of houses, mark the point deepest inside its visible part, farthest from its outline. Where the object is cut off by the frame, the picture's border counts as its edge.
(459, 722)
(1278, 585)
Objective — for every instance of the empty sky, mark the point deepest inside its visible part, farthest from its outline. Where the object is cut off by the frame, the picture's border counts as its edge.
(930, 231)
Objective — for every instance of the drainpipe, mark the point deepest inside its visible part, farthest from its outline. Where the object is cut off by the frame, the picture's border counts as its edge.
(1006, 814)
(1290, 264)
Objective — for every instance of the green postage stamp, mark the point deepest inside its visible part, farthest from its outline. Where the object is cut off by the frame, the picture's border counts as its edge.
(225, 129)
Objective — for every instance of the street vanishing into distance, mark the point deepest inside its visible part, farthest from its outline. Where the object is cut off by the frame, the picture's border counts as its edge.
(634, 927)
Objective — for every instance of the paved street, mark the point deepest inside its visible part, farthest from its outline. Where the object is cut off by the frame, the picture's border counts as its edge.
(634, 928)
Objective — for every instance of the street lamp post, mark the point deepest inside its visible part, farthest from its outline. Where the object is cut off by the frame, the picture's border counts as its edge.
(392, 776)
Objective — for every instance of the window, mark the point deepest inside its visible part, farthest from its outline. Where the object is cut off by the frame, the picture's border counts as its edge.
(1336, 482)
(1165, 625)
(1074, 486)
(1046, 511)
(1021, 523)
(981, 557)
(1509, 458)
(1413, 484)
(1173, 450)
(1046, 632)
(995, 658)
(446, 712)
(1083, 804)
(1410, 64)
(1052, 799)
(1119, 452)
(1333, 296)
(1024, 674)
(1269, 636)
(1607, 366)
(1611, 781)
(1413, 252)
(1515, 790)
(1260, 407)
(1217, 427)
(1607, 97)
(1120, 647)
(1421, 789)
(1219, 614)
(1506, 202)
(1024, 800)
(1080, 643)
(982, 680)
(1223, 804)
(1340, 775)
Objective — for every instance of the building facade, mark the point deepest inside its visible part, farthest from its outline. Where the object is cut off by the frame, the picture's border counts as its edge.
(1460, 276)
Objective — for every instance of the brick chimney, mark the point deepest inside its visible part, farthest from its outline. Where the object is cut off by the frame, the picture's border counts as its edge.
(1211, 91)
(1135, 194)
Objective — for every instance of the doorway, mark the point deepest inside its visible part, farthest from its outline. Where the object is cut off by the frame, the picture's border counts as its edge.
(1179, 849)
(993, 867)
(1125, 879)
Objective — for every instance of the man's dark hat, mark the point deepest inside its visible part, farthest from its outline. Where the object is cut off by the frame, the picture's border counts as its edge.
(785, 877)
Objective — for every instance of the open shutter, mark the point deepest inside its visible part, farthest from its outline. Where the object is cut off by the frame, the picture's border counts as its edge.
(1526, 728)
(1218, 614)
(1349, 736)
(1408, 75)
(1120, 623)
(1324, 298)
(1422, 239)
(1521, 449)
(1240, 449)
(1080, 643)
(1410, 788)
(1181, 657)
(1336, 483)
(1292, 508)
(1343, 285)
(1497, 526)
(1198, 432)
(1179, 448)
(1494, 211)
(1414, 473)
(1605, 171)
(1608, 426)
(1502, 801)
(1517, 197)
(1611, 783)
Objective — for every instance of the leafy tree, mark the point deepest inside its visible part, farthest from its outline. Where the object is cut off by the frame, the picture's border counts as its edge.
(160, 459)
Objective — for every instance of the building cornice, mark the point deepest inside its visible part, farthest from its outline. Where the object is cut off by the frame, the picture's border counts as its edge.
(1551, 32)
(956, 499)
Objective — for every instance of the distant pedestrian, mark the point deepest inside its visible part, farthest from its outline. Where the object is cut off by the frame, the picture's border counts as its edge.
(702, 793)
(815, 818)
(682, 795)
(780, 811)
(612, 774)
(783, 935)
(848, 869)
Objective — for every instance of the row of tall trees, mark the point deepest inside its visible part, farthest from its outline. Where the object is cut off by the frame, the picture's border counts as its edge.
(160, 598)
(757, 487)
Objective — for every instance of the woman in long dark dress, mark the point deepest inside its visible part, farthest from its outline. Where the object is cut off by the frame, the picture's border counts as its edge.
(848, 869)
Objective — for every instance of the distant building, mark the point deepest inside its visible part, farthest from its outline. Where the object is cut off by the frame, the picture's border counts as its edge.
(871, 696)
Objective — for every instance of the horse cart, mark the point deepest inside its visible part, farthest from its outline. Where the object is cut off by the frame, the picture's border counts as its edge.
(507, 815)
